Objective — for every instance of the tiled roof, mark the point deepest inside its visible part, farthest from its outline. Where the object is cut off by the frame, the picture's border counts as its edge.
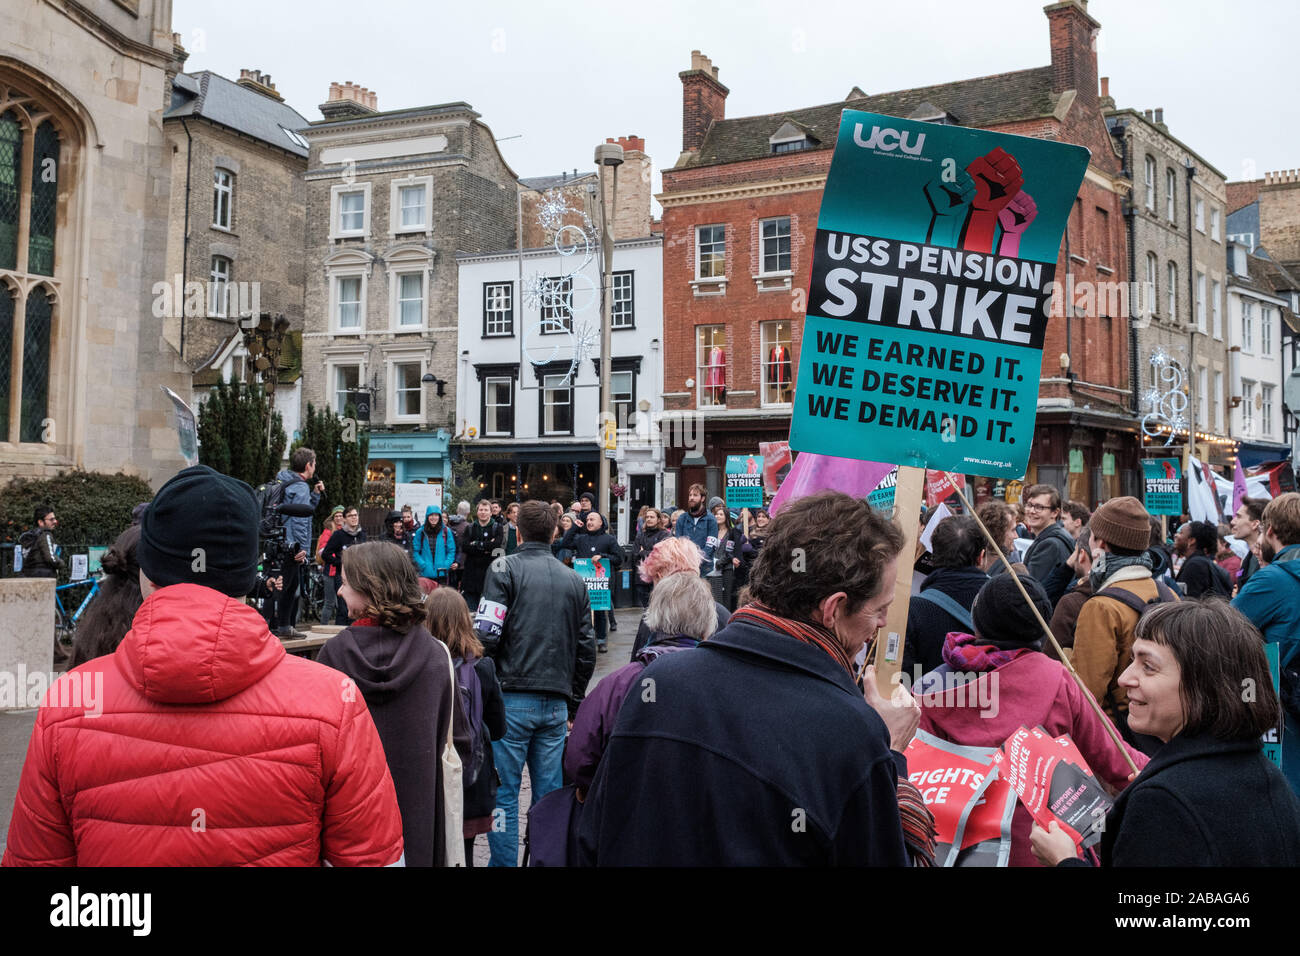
(980, 102)
(236, 107)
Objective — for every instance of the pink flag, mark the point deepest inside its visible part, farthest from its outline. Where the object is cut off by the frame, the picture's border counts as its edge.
(812, 473)
(1238, 485)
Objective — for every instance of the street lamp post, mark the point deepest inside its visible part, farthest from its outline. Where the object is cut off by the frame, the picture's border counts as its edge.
(609, 156)
(263, 341)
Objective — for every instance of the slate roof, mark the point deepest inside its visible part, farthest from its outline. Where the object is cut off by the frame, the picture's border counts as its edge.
(980, 102)
(543, 183)
(215, 98)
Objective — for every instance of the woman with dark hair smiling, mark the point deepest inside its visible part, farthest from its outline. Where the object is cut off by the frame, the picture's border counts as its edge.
(1200, 683)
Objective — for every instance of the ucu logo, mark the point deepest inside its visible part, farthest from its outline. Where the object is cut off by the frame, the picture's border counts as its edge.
(888, 140)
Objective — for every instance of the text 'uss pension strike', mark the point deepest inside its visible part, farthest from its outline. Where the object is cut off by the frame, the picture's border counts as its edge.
(931, 288)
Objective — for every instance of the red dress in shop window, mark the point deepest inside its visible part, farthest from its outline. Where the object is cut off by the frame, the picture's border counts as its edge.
(715, 380)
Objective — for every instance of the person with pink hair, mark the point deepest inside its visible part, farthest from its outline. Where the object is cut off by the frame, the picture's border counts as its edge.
(671, 556)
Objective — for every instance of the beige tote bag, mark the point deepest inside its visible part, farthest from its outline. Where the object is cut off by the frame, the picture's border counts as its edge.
(453, 791)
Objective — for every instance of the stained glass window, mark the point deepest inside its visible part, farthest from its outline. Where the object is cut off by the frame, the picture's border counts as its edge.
(11, 154)
(45, 200)
(36, 367)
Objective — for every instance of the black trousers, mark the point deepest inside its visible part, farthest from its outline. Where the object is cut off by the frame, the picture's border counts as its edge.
(286, 602)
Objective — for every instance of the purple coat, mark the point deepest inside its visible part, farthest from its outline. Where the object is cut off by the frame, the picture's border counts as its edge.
(594, 723)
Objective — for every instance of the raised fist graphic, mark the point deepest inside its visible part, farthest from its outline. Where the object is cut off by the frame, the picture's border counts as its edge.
(998, 179)
(949, 203)
(1014, 219)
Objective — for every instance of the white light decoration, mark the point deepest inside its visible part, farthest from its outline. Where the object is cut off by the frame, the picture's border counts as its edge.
(548, 293)
(1169, 404)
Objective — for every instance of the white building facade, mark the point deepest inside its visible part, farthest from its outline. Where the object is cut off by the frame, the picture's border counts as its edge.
(1255, 351)
(528, 395)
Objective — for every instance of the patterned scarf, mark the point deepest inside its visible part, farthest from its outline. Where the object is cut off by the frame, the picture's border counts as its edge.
(365, 622)
(961, 653)
(1109, 563)
(804, 631)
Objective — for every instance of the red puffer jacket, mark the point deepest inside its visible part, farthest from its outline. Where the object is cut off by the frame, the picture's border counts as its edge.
(200, 742)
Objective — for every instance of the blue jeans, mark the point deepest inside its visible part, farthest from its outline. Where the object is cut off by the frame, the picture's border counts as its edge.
(535, 729)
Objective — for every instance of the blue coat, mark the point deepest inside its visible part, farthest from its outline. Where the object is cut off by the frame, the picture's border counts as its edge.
(297, 492)
(433, 559)
(1271, 599)
(754, 749)
(701, 530)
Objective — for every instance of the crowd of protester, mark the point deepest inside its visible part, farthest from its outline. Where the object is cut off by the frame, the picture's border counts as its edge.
(468, 642)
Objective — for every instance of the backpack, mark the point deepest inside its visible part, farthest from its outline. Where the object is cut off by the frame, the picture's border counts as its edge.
(26, 545)
(471, 698)
(1164, 594)
(269, 497)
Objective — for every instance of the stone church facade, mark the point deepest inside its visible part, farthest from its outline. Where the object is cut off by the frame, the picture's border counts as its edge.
(84, 191)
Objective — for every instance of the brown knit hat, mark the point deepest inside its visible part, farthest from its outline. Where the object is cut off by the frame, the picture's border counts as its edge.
(1122, 522)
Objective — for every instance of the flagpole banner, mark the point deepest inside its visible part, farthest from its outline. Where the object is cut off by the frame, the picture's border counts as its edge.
(744, 481)
(595, 576)
(932, 277)
(1162, 486)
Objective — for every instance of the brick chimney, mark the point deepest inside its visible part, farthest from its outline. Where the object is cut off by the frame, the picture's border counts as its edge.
(1074, 52)
(632, 215)
(347, 100)
(704, 100)
(259, 82)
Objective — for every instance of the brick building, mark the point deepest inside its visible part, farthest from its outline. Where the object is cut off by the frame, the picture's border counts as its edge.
(391, 198)
(1176, 223)
(740, 210)
(236, 226)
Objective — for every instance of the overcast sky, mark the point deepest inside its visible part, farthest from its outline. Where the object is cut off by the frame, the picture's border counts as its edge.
(560, 77)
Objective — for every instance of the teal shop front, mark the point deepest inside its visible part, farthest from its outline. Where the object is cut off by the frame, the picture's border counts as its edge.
(409, 456)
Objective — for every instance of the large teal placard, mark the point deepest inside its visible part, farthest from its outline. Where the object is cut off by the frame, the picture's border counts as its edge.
(927, 310)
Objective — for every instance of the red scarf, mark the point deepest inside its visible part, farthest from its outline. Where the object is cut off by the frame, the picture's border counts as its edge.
(365, 622)
(804, 631)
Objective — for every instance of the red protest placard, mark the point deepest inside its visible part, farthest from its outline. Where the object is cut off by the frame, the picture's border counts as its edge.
(1054, 782)
(940, 486)
(972, 811)
(776, 463)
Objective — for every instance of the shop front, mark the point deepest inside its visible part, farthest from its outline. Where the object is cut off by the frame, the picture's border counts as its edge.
(706, 461)
(547, 471)
(409, 456)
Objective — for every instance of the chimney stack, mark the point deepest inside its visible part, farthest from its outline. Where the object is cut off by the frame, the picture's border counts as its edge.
(704, 99)
(1073, 35)
(348, 100)
(259, 82)
(1160, 115)
(632, 215)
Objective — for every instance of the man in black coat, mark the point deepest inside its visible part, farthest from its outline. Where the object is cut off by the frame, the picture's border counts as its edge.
(485, 539)
(945, 600)
(1052, 545)
(1197, 542)
(757, 748)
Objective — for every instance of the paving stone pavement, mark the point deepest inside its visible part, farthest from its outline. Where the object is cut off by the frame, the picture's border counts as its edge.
(16, 730)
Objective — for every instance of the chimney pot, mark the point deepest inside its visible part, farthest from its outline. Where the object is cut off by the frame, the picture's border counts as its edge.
(1160, 114)
(1105, 86)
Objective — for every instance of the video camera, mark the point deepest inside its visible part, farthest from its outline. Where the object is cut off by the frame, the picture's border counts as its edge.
(274, 548)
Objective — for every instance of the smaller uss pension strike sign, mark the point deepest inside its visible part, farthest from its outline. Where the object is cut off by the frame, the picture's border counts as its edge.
(932, 273)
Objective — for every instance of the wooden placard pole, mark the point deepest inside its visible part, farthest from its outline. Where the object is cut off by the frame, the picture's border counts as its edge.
(908, 495)
(1101, 714)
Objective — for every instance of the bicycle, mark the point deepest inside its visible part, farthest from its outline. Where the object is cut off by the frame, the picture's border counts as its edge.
(311, 593)
(65, 624)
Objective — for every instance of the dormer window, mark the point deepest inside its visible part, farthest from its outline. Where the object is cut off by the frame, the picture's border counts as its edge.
(927, 112)
(790, 139)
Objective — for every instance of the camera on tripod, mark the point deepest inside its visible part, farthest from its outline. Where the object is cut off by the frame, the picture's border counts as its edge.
(275, 550)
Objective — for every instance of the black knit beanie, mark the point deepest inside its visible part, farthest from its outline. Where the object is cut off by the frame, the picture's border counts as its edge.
(201, 528)
(1002, 617)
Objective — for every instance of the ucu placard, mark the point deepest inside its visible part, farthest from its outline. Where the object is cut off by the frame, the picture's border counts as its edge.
(887, 140)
